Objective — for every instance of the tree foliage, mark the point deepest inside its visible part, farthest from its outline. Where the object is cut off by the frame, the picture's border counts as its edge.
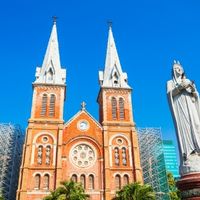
(174, 193)
(1, 197)
(136, 191)
(68, 190)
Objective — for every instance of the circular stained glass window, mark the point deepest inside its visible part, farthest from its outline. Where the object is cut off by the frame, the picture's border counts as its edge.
(82, 155)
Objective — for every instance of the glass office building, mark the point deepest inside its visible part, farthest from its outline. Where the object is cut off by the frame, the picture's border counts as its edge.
(170, 155)
(153, 162)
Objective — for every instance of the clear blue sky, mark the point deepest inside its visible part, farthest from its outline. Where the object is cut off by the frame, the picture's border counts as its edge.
(149, 35)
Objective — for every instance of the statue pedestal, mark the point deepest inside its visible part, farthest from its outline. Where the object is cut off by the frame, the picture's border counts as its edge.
(189, 185)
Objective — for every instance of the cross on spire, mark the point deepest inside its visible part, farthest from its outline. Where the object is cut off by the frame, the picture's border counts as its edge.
(83, 105)
(109, 23)
(54, 19)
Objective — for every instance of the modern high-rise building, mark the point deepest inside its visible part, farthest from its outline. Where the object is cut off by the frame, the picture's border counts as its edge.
(152, 161)
(170, 155)
(11, 144)
(102, 155)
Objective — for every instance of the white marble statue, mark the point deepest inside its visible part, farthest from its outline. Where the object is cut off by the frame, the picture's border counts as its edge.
(184, 102)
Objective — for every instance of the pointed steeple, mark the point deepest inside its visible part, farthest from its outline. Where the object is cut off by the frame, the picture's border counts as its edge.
(51, 71)
(112, 75)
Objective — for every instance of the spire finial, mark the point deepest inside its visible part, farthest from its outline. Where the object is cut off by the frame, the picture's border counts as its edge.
(109, 23)
(83, 105)
(54, 19)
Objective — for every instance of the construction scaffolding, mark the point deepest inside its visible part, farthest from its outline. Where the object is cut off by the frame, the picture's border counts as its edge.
(152, 161)
(11, 144)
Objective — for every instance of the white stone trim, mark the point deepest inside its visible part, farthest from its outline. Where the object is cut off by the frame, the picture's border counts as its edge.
(62, 103)
(78, 114)
(33, 103)
(119, 147)
(129, 147)
(34, 144)
(43, 145)
(35, 173)
(88, 174)
(38, 192)
(117, 173)
(42, 174)
(123, 174)
(46, 173)
(130, 107)
(90, 145)
(45, 133)
(119, 135)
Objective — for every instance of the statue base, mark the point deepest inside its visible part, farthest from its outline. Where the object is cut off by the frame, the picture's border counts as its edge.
(189, 186)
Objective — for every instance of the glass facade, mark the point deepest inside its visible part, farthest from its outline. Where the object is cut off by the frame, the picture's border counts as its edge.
(11, 144)
(152, 161)
(170, 155)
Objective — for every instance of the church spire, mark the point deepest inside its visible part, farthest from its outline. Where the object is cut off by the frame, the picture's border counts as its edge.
(51, 71)
(112, 75)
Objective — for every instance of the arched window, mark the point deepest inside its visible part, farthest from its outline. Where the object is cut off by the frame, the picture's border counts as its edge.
(39, 156)
(116, 155)
(82, 180)
(49, 76)
(91, 181)
(52, 105)
(48, 155)
(74, 178)
(121, 108)
(114, 108)
(124, 156)
(115, 80)
(44, 105)
(126, 179)
(37, 181)
(117, 182)
(46, 181)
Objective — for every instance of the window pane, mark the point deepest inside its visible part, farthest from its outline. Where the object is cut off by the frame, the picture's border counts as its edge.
(82, 180)
(124, 156)
(46, 181)
(121, 108)
(48, 155)
(91, 182)
(116, 156)
(126, 179)
(39, 156)
(37, 181)
(44, 105)
(117, 182)
(114, 108)
(74, 178)
(52, 106)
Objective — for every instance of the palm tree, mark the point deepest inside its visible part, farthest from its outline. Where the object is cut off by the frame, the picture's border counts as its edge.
(68, 190)
(136, 191)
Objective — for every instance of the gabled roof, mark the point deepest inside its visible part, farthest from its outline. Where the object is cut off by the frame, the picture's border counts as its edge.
(78, 114)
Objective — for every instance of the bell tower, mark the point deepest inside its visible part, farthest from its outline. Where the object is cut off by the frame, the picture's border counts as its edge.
(41, 163)
(121, 149)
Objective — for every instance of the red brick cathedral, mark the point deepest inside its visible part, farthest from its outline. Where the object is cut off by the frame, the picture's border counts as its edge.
(102, 155)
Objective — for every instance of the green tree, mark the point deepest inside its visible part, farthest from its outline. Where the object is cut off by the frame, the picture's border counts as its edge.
(136, 191)
(68, 190)
(1, 196)
(174, 193)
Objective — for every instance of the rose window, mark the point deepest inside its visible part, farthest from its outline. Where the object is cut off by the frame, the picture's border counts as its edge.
(82, 155)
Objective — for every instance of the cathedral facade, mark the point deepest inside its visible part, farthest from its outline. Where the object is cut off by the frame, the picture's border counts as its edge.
(103, 155)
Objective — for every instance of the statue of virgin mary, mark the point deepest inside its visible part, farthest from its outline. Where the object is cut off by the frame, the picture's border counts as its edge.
(184, 103)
